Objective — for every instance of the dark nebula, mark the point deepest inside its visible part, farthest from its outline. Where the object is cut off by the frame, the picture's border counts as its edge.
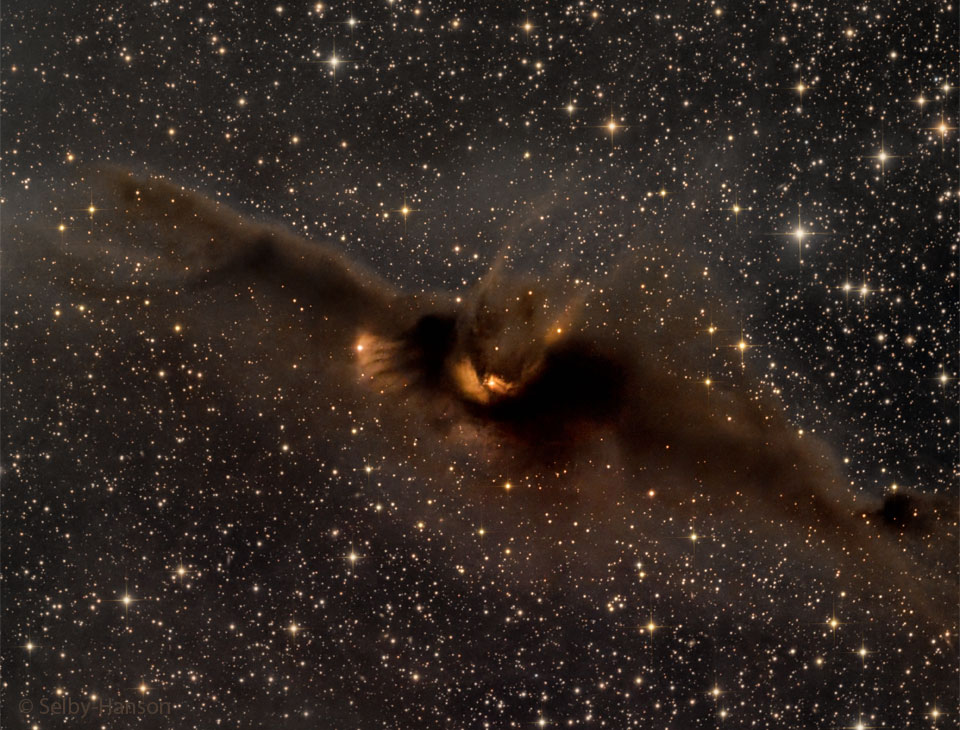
(401, 365)
(534, 388)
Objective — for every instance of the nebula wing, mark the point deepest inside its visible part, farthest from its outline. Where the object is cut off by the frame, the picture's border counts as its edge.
(205, 244)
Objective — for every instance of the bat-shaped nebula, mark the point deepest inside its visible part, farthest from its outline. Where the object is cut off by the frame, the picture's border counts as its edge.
(580, 395)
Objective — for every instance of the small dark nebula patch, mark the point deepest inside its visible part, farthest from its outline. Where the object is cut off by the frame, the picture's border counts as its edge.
(426, 347)
(898, 510)
(916, 514)
(577, 383)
